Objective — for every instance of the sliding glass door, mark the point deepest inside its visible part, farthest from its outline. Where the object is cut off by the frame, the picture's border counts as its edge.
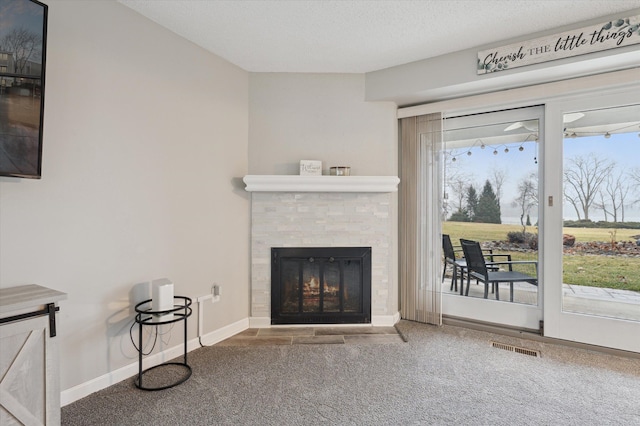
(490, 196)
(594, 176)
(551, 195)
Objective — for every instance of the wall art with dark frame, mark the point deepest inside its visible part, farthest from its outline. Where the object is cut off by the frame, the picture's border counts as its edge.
(23, 41)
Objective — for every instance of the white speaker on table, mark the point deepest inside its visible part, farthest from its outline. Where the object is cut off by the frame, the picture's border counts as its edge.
(162, 296)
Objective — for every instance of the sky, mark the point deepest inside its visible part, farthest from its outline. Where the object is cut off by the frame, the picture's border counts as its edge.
(623, 149)
(20, 14)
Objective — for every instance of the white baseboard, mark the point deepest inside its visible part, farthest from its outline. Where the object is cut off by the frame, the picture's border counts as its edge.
(225, 332)
(385, 320)
(75, 393)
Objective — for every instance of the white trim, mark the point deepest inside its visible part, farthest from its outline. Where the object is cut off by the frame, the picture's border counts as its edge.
(75, 393)
(526, 96)
(294, 183)
(225, 332)
(385, 320)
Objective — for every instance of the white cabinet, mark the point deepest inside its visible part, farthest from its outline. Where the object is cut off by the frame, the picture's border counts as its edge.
(29, 370)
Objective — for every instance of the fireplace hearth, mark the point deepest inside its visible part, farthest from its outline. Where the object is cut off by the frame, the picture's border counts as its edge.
(321, 285)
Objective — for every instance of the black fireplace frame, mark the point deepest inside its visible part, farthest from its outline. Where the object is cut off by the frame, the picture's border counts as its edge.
(321, 255)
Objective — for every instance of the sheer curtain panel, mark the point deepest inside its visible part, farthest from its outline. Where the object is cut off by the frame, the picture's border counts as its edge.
(419, 210)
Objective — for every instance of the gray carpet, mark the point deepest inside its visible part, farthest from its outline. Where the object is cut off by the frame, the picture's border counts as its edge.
(440, 376)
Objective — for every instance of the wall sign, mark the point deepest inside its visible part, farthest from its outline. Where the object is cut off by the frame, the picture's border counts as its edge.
(595, 38)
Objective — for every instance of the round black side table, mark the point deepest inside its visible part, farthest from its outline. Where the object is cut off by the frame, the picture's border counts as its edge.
(144, 317)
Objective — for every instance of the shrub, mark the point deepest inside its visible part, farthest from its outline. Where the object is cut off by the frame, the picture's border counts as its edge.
(460, 216)
(518, 237)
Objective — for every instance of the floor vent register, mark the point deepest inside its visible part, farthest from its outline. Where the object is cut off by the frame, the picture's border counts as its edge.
(516, 349)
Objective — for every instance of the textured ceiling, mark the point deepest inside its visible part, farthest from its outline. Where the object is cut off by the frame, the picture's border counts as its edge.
(353, 36)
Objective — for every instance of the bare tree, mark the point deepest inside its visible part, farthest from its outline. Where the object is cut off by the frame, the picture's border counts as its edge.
(458, 185)
(527, 198)
(634, 176)
(624, 191)
(25, 46)
(456, 182)
(583, 178)
(613, 194)
(602, 205)
(497, 179)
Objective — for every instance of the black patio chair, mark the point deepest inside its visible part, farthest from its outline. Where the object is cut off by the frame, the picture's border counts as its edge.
(487, 273)
(450, 259)
(457, 263)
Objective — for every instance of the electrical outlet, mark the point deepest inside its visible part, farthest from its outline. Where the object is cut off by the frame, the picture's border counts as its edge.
(215, 292)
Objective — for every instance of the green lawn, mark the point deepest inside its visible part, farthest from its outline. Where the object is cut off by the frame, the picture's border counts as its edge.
(496, 232)
(614, 272)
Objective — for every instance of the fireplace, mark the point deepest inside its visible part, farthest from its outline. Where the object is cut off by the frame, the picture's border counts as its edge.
(324, 211)
(321, 285)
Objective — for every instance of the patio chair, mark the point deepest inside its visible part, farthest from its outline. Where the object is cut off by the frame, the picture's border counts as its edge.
(487, 273)
(450, 259)
(458, 264)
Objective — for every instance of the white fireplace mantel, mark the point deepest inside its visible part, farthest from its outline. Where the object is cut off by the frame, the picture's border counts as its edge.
(295, 183)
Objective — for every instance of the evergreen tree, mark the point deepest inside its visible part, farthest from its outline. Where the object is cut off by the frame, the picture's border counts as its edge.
(488, 209)
(528, 221)
(472, 203)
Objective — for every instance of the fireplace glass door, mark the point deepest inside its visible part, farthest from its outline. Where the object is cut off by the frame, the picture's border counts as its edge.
(321, 285)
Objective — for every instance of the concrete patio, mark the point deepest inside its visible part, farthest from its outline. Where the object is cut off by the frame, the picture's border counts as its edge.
(623, 304)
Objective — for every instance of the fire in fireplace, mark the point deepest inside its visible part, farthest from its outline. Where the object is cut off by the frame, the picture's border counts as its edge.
(321, 285)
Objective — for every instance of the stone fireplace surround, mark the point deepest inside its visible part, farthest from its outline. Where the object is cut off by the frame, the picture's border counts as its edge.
(323, 211)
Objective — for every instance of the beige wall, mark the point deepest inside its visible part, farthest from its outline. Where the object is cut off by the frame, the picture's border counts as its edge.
(324, 117)
(144, 135)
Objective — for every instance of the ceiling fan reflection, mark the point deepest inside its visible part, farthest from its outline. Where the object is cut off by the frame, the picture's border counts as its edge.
(532, 125)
